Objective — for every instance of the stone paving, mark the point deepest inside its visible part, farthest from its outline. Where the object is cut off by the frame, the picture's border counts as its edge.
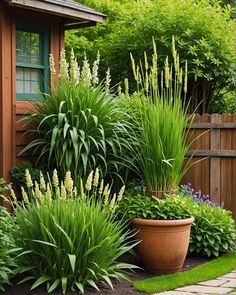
(222, 285)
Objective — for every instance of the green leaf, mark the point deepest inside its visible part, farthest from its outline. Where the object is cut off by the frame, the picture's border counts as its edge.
(54, 285)
(64, 284)
(72, 259)
(80, 287)
(40, 281)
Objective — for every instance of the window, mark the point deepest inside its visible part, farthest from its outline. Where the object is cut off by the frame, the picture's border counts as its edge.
(32, 69)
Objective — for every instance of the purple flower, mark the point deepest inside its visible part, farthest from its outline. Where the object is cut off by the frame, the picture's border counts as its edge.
(187, 190)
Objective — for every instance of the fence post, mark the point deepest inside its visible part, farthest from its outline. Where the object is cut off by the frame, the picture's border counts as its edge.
(215, 161)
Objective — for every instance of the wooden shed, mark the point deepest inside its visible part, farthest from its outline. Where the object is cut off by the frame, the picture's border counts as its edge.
(29, 31)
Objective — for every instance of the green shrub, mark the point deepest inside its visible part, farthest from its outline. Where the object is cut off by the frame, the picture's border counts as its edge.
(204, 33)
(80, 124)
(141, 206)
(7, 249)
(213, 231)
(70, 239)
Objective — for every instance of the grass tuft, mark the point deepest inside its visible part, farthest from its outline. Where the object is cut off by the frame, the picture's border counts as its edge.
(207, 271)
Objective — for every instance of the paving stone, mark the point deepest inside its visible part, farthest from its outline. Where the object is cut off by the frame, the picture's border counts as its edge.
(174, 292)
(230, 283)
(214, 283)
(205, 289)
(231, 275)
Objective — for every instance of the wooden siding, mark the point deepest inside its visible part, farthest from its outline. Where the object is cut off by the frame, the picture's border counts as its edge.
(6, 90)
(215, 147)
(11, 139)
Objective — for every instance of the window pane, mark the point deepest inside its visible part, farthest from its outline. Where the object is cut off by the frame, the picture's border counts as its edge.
(28, 80)
(28, 47)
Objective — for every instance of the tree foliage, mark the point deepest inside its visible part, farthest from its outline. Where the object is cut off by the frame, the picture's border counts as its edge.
(203, 30)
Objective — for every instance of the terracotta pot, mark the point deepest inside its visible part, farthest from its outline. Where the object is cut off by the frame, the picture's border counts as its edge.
(164, 243)
(160, 194)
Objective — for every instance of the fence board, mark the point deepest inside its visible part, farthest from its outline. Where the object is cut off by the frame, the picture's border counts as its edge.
(215, 162)
(233, 176)
(226, 171)
(205, 169)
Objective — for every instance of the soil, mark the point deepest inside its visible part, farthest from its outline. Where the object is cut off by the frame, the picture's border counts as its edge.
(122, 287)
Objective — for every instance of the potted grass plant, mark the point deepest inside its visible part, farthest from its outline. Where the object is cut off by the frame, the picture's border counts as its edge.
(162, 223)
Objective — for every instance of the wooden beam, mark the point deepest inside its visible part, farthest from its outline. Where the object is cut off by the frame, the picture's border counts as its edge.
(60, 10)
(213, 126)
(209, 153)
(79, 25)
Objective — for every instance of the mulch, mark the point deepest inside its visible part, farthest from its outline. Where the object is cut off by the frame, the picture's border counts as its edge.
(122, 287)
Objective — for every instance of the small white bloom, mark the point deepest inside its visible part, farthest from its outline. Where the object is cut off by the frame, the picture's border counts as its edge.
(101, 187)
(29, 182)
(63, 72)
(106, 194)
(108, 80)
(13, 195)
(68, 182)
(55, 180)
(37, 192)
(96, 178)
(88, 184)
(49, 193)
(42, 182)
(120, 194)
(113, 202)
(63, 192)
(52, 65)
(86, 72)
(24, 196)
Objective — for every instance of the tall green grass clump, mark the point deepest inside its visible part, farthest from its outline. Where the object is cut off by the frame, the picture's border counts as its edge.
(80, 125)
(163, 137)
(68, 239)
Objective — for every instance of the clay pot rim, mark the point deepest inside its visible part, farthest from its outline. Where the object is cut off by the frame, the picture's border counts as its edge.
(153, 222)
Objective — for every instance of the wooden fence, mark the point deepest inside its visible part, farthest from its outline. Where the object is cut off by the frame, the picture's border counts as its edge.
(215, 147)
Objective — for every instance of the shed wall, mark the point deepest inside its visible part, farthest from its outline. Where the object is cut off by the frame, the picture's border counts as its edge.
(11, 130)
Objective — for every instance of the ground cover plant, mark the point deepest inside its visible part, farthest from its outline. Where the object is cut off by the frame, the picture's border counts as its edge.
(7, 246)
(7, 249)
(69, 239)
(80, 124)
(206, 271)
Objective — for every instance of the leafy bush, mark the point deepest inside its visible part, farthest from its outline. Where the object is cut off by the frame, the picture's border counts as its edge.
(213, 231)
(7, 249)
(80, 125)
(204, 33)
(141, 206)
(18, 173)
(68, 239)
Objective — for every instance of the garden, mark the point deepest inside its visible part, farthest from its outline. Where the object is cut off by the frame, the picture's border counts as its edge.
(101, 207)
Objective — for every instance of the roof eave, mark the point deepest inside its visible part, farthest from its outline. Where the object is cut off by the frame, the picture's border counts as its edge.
(66, 12)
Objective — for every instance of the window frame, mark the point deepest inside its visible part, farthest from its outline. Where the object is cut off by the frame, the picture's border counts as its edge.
(44, 50)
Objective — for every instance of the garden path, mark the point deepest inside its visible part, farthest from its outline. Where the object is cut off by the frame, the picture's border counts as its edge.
(222, 285)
